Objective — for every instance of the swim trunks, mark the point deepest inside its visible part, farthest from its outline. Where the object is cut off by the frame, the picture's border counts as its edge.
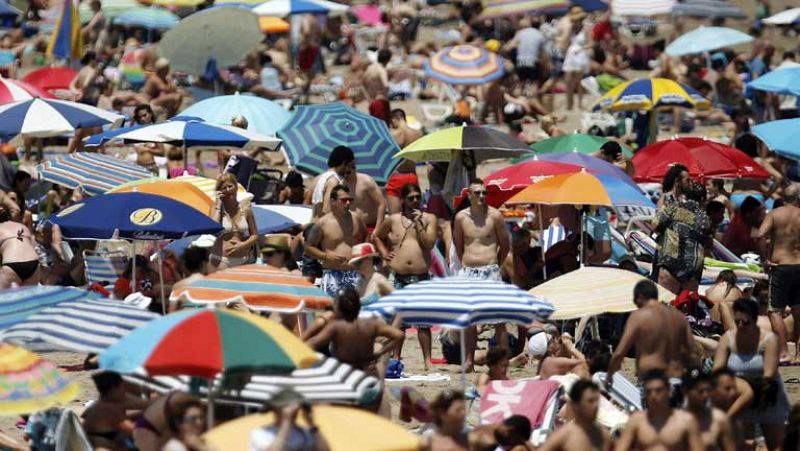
(336, 280)
(397, 181)
(487, 272)
(401, 280)
(784, 287)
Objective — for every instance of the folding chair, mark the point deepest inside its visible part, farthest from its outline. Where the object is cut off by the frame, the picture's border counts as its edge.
(104, 267)
(622, 391)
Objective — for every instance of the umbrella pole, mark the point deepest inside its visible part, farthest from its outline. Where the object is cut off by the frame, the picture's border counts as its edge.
(210, 415)
(463, 360)
(541, 235)
(185, 160)
(583, 242)
(133, 273)
(161, 277)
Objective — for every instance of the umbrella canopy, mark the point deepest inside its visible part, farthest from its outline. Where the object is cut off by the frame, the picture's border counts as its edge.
(183, 192)
(151, 18)
(283, 8)
(465, 65)
(705, 159)
(178, 3)
(708, 9)
(136, 216)
(593, 291)
(204, 343)
(263, 116)
(270, 220)
(269, 24)
(7, 10)
(785, 17)
(29, 383)
(314, 130)
(586, 144)
(15, 90)
(580, 188)
(649, 94)
(460, 302)
(506, 182)
(486, 143)
(208, 34)
(51, 78)
(42, 118)
(258, 286)
(641, 8)
(196, 133)
(344, 428)
(17, 304)
(298, 214)
(94, 173)
(780, 81)
(706, 39)
(503, 8)
(111, 8)
(782, 137)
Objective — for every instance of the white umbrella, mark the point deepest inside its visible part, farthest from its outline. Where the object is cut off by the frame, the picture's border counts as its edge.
(41, 118)
(786, 17)
(283, 8)
(199, 134)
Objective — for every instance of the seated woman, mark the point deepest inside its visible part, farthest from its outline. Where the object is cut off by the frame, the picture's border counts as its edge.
(723, 293)
(294, 193)
(137, 281)
(187, 424)
(497, 361)
(152, 428)
(105, 422)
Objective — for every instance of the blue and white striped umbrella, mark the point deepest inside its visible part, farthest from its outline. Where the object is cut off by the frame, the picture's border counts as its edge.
(461, 302)
(17, 304)
(709, 9)
(151, 18)
(314, 131)
(93, 172)
(41, 118)
(283, 8)
(198, 134)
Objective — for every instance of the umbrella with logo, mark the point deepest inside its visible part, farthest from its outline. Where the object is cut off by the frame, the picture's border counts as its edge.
(483, 142)
(41, 118)
(263, 116)
(29, 383)
(94, 173)
(465, 65)
(706, 39)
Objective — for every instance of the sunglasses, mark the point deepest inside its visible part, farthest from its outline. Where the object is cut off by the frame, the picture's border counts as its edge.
(345, 200)
(480, 193)
(414, 197)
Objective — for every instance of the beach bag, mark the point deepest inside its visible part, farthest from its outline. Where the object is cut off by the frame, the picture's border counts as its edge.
(394, 370)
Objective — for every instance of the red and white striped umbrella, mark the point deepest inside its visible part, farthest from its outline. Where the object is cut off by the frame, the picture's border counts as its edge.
(15, 90)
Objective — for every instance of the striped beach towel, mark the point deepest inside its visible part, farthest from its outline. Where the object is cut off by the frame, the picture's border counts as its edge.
(551, 236)
(104, 268)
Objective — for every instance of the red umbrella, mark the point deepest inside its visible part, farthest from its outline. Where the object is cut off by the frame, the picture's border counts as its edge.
(15, 90)
(51, 78)
(704, 158)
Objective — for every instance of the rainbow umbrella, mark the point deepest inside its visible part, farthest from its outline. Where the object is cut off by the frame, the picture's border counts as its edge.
(258, 286)
(29, 383)
(465, 65)
(580, 188)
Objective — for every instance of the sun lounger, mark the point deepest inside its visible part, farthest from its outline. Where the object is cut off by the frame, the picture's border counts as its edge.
(104, 268)
(623, 391)
(539, 400)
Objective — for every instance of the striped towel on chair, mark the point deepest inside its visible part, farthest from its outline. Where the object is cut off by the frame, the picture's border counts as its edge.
(104, 268)
(551, 236)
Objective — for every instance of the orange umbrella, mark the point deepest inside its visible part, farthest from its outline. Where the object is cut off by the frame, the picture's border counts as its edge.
(579, 188)
(183, 192)
(273, 25)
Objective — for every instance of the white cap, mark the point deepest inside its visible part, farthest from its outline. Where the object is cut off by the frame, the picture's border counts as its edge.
(204, 241)
(537, 344)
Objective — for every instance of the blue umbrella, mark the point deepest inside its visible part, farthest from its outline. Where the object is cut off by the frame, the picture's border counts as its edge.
(314, 130)
(283, 8)
(17, 304)
(151, 18)
(192, 133)
(263, 116)
(705, 39)
(782, 137)
(780, 81)
(102, 138)
(133, 215)
(93, 172)
(49, 117)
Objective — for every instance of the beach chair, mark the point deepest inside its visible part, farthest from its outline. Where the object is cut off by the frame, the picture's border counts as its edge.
(623, 391)
(439, 111)
(104, 267)
(538, 400)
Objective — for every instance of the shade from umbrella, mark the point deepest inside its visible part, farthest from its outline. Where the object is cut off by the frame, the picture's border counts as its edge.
(640, 8)
(506, 182)
(593, 291)
(706, 39)
(111, 8)
(780, 81)
(649, 94)
(195, 133)
(708, 9)
(258, 286)
(138, 216)
(781, 137)
(51, 78)
(465, 65)
(486, 143)
(29, 383)
(17, 304)
(581, 188)
(208, 34)
(586, 144)
(183, 192)
(503, 8)
(263, 116)
(94, 173)
(204, 343)
(343, 428)
(49, 117)
(15, 90)
(283, 8)
(314, 131)
(785, 17)
(151, 18)
(705, 159)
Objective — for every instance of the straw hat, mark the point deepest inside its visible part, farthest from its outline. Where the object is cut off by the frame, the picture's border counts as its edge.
(576, 13)
(360, 252)
(275, 241)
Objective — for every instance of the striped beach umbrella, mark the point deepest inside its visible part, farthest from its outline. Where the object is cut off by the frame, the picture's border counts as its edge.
(283, 8)
(314, 130)
(151, 18)
(94, 173)
(183, 192)
(42, 118)
(708, 9)
(15, 90)
(502, 8)
(484, 142)
(17, 304)
(465, 65)
(29, 383)
(649, 94)
(197, 133)
(258, 286)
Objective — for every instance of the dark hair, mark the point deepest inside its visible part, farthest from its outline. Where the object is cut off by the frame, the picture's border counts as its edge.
(520, 429)
(5, 215)
(105, 381)
(384, 56)
(336, 189)
(598, 354)
(655, 375)
(611, 148)
(724, 371)
(496, 355)
(645, 289)
(20, 176)
(409, 188)
(672, 176)
(696, 192)
(444, 400)
(521, 234)
(749, 205)
(88, 57)
(349, 303)
(476, 181)
(398, 113)
(141, 263)
(294, 179)
(727, 276)
(178, 410)
(194, 257)
(747, 306)
(694, 378)
(788, 54)
(142, 107)
(579, 387)
(714, 206)
(265, 59)
(340, 155)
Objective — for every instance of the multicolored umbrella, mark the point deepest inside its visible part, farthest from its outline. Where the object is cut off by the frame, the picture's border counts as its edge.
(42, 118)
(781, 137)
(586, 144)
(258, 286)
(283, 8)
(94, 173)
(465, 65)
(705, 159)
(151, 18)
(484, 142)
(205, 184)
(494, 9)
(649, 94)
(183, 192)
(205, 343)
(15, 90)
(706, 39)
(29, 383)
(579, 188)
(263, 116)
(314, 130)
(270, 25)
(51, 78)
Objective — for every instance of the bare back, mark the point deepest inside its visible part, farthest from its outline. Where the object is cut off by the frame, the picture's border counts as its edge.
(660, 339)
(16, 243)
(354, 342)
(785, 237)
(366, 192)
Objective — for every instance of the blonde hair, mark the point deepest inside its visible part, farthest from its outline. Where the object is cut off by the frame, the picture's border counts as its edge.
(226, 178)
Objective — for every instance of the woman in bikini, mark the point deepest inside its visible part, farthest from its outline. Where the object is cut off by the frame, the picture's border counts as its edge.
(105, 422)
(239, 226)
(20, 262)
(152, 428)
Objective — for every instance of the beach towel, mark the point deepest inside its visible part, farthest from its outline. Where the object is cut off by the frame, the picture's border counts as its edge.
(551, 236)
(501, 399)
(433, 377)
(70, 435)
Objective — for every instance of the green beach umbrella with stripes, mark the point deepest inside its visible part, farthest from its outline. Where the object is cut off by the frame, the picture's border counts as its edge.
(486, 143)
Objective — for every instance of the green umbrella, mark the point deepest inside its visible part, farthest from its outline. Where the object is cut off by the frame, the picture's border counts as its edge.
(585, 144)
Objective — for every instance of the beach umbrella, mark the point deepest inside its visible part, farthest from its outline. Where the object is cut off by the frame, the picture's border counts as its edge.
(781, 137)
(51, 78)
(579, 188)
(708, 9)
(15, 91)
(314, 131)
(29, 383)
(465, 65)
(102, 138)
(504, 183)
(17, 304)
(208, 35)
(283, 8)
(94, 173)
(484, 142)
(137, 216)
(263, 116)
(7, 11)
(649, 94)
(705, 159)
(591, 291)
(41, 118)
(706, 39)
(494, 9)
(271, 25)
(111, 8)
(151, 18)
(205, 343)
(785, 17)
(642, 8)
(257, 286)
(194, 133)
(177, 3)
(343, 428)
(591, 5)
(780, 81)
(183, 192)
(298, 214)
(580, 142)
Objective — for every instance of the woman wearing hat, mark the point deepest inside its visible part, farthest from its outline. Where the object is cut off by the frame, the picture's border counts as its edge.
(373, 285)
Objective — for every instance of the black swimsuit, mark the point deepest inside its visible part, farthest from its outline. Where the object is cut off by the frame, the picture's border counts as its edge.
(24, 270)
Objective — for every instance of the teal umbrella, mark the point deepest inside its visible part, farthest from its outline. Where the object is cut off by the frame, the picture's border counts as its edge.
(151, 18)
(706, 39)
(263, 116)
(585, 144)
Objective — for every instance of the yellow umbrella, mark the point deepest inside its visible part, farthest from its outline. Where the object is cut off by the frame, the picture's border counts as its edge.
(593, 291)
(183, 192)
(28, 383)
(344, 428)
(273, 24)
(577, 188)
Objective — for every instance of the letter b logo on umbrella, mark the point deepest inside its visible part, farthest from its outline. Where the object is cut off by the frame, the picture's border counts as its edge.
(146, 216)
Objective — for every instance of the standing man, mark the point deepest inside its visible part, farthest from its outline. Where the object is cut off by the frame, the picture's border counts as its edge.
(715, 428)
(341, 162)
(482, 243)
(582, 432)
(402, 133)
(404, 241)
(331, 241)
(368, 201)
(376, 77)
(779, 239)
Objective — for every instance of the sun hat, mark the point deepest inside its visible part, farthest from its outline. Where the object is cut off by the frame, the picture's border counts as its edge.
(275, 241)
(360, 252)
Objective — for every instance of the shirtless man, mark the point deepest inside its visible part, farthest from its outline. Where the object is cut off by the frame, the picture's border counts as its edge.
(732, 395)
(482, 243)
(582, 432)
(779, 237)
(660, 427)
(18, 250)
(331, 241)
(661, 335)
(368, 201)
(715, 428)
(341, 162)
(404, 241)
(402, 133)
(376, 77)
